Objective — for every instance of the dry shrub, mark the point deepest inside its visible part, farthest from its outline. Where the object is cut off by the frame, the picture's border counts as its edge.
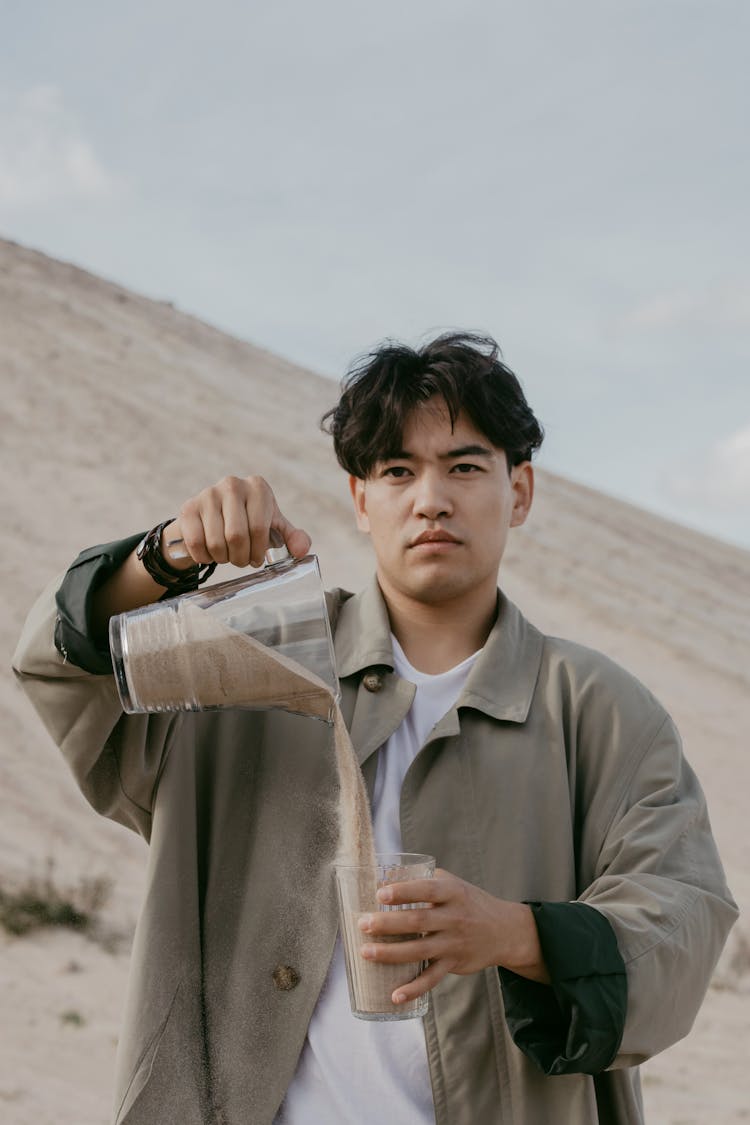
(38, 901)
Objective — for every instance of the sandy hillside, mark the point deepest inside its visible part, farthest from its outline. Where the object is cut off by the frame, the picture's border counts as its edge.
(114, 410)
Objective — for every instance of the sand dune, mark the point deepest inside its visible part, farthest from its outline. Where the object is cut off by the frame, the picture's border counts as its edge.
(114, 410)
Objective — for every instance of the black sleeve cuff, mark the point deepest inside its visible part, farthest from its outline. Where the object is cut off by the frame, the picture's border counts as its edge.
(574, 1025)
(74, 634)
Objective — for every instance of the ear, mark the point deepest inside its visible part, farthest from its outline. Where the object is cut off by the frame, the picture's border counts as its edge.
(357, 489)
(522, 485)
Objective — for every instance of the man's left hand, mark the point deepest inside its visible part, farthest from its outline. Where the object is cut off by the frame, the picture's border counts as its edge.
(462, 929)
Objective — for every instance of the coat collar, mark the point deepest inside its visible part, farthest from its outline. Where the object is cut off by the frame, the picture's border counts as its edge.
(503, 680)
(363, 632)
(501, 683)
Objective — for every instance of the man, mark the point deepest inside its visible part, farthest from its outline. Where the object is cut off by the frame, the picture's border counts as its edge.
(580, 905)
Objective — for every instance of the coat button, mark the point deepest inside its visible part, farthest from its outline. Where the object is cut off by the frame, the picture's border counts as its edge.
(285, 978)
(373, 681)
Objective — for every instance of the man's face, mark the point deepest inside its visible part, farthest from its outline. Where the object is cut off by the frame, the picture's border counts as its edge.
(438, 514)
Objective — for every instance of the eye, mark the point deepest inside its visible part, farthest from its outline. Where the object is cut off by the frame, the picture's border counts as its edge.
(464, 467)
(397, 472)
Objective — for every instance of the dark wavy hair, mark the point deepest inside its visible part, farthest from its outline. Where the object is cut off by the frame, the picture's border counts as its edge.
(383, 386)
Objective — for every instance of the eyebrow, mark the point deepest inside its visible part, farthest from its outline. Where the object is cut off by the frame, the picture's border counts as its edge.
(451, 455)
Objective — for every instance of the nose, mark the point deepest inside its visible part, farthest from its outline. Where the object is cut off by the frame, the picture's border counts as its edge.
(431, 498)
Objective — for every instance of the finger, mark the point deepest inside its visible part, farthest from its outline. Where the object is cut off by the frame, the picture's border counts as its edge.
(427, 980)
(236, 531)
(259, 514)
(213, 528)
(298, 541)
(385, 923)
(191, 529)
(415, 890)
(398, 952)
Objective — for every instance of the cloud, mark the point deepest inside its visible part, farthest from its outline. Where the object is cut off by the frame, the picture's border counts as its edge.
(725, 306)
(44, 156)
(722, 480)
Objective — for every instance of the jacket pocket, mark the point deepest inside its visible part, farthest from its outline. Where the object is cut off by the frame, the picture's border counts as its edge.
(145, 1065)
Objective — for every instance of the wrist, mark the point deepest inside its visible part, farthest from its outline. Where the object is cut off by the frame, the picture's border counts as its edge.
(174, 579)
(520, 949)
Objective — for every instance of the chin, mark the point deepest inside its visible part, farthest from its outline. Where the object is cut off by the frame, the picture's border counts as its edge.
(438, 588)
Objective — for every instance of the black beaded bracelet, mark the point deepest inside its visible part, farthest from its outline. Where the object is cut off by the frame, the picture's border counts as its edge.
(176, 581)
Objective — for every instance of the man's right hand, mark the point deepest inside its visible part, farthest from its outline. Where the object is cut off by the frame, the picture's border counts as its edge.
(232, 522)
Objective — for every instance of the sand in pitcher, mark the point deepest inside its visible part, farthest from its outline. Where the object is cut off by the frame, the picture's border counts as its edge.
(371, 985)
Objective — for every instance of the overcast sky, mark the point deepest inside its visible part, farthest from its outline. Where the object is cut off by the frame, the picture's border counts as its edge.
(570, 177)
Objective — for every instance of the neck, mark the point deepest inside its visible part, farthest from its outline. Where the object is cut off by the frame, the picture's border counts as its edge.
(437, 637)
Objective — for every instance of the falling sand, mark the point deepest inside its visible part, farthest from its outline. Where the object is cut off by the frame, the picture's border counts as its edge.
(179, 657)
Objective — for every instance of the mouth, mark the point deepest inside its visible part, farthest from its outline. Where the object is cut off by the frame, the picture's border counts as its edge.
(437, 538)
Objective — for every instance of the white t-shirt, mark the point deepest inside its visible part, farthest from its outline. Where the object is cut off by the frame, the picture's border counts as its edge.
(357, 1070)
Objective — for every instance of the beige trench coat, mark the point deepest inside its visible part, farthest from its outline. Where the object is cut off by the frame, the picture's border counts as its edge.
(557, 777)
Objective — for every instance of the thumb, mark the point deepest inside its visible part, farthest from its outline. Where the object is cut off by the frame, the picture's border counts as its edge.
(297, 541)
